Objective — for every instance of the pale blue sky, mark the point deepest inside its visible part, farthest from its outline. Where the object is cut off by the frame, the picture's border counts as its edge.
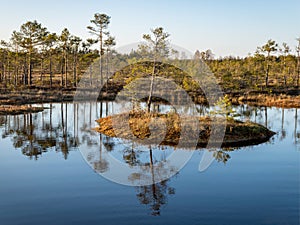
(228, 27)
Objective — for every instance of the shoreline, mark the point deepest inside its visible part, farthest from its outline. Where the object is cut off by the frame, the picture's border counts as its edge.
(17, 110)
(37, 95)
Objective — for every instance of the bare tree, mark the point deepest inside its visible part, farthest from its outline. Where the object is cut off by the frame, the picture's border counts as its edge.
(158, 47)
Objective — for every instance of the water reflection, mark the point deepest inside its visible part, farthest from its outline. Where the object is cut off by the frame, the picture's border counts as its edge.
(284, 122)
(155, 196)
(65, 127)
(35, 134)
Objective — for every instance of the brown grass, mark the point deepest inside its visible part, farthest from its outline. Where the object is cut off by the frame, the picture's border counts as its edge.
(167, 128)
(284, 101)
(15, 110)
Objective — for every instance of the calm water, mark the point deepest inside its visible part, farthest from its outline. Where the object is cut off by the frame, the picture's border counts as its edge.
(44, 178)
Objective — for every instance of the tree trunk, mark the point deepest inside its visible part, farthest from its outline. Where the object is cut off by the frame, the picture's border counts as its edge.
(151, 88)
(284, 72)
(16, 75)
(7, 74)
(2, 66)
(75, 69)
(100, 59)
(25, 73)
(16, 69)
(66, 69)
(50, 69)
(62, 72)
(42, 70)
(267, 75)
(29, 70)
(106, 86)
(298, 70)
(91, 72)
(1, 73)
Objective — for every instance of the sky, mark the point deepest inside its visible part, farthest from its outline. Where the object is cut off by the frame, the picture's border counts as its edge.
(227, 27)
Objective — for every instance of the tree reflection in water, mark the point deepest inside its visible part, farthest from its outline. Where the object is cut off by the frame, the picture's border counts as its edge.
(155, 195)
(100, 165)
(221, 156)
(65, 127)
(34, 134)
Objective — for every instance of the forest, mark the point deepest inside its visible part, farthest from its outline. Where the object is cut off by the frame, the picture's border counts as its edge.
(35, 57)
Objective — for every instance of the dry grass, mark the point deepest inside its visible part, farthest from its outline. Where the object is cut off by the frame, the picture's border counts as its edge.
(167, 129)
(15, 110)
(284, 101)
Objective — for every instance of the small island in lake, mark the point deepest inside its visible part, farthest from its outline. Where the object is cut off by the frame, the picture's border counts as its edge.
(168, 128)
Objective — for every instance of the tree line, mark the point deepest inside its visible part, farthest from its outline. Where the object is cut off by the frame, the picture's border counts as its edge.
(271, 67)
(34, 56)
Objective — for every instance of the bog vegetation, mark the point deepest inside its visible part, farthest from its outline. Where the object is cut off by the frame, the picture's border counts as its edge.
(37, 57)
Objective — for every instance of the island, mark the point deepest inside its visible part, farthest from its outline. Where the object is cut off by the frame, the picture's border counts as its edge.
(168, 126)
